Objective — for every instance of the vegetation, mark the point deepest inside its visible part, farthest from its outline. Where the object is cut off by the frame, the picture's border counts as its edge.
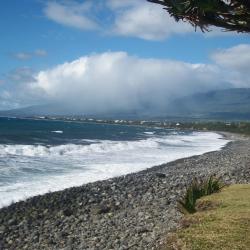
(222, 222)
(198, 189)
(231, 15)
(233, 127)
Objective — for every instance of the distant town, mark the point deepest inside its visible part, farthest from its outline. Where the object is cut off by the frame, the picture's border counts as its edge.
(235, 126)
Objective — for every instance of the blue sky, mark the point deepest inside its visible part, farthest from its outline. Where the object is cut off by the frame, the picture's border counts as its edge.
(38, 36)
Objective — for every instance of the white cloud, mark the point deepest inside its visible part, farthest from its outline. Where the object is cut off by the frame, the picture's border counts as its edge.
(138, 18)
(236, 58)
(22, 56)
(131, 18)
(40, 52)
(117, 4)
(145, 20)
(134, 18)
(71, 13)
(235, 62)
(115, 81)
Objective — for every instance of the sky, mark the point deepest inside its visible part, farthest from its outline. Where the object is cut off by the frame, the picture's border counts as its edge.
(111, 55)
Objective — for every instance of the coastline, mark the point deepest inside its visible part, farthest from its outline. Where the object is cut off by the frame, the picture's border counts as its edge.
(134, 211)
(40, 169)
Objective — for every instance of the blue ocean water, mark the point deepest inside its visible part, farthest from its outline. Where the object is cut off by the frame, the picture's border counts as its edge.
(37, 156)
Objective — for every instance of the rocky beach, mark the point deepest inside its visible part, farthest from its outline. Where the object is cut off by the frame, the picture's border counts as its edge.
(134, 211)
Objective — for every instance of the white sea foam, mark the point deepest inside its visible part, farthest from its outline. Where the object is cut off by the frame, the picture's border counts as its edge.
(39, 169)
(57, 131)
(149, 133)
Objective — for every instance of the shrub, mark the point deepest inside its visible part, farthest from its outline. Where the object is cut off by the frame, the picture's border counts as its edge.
(197, 189)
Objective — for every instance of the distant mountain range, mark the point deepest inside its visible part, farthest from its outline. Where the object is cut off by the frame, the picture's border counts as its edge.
(39, 110)
(229, 104)
(221, 104)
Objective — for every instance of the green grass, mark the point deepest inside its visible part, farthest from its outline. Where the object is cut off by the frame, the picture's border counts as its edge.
(222, 222)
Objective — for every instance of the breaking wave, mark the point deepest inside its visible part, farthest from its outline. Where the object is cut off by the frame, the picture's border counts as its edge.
(37, 169)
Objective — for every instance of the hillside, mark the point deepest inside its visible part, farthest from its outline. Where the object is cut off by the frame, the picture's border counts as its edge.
(222, 104)
(229, 104)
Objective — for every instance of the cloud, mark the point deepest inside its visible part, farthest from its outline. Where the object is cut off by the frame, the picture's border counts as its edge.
(16, 91)
(116, 81)
(129, 18)
(133, 18)
(72, 14)
(40, 52)
(235, 62)
(236, 58)
(24, 56)
(141, 19)
(5, 102)
(117, 4)
(145, 20)
(24, 74)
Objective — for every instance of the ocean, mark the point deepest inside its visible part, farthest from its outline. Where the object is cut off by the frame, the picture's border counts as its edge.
(39, 156)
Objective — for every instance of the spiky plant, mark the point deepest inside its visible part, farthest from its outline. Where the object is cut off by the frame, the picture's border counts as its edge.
(197, 189)
(193, 193)
(212, 185)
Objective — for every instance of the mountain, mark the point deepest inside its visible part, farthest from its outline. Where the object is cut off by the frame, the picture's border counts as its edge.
(61, 109)
(220, 104)
(38, 110)
(229, 104)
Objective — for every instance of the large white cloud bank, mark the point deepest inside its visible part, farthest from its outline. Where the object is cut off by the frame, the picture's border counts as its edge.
(117, 81)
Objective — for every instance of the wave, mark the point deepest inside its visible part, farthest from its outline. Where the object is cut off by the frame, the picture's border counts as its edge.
(57, 131)
(37, 169)
(107, 146)
(149, 133)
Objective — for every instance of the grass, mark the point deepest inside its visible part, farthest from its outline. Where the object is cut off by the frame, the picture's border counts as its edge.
(197, 189)
(222, 222)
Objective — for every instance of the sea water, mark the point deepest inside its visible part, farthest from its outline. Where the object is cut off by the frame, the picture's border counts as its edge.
(38, 156)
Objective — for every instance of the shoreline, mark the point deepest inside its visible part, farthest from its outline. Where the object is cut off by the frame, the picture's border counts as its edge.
(137, 210)
(105, 169)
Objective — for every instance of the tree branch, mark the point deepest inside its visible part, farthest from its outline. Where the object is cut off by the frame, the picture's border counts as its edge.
(230, 15)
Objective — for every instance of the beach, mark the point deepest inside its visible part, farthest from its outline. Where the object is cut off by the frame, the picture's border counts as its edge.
(134, 211)
(38, 160)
